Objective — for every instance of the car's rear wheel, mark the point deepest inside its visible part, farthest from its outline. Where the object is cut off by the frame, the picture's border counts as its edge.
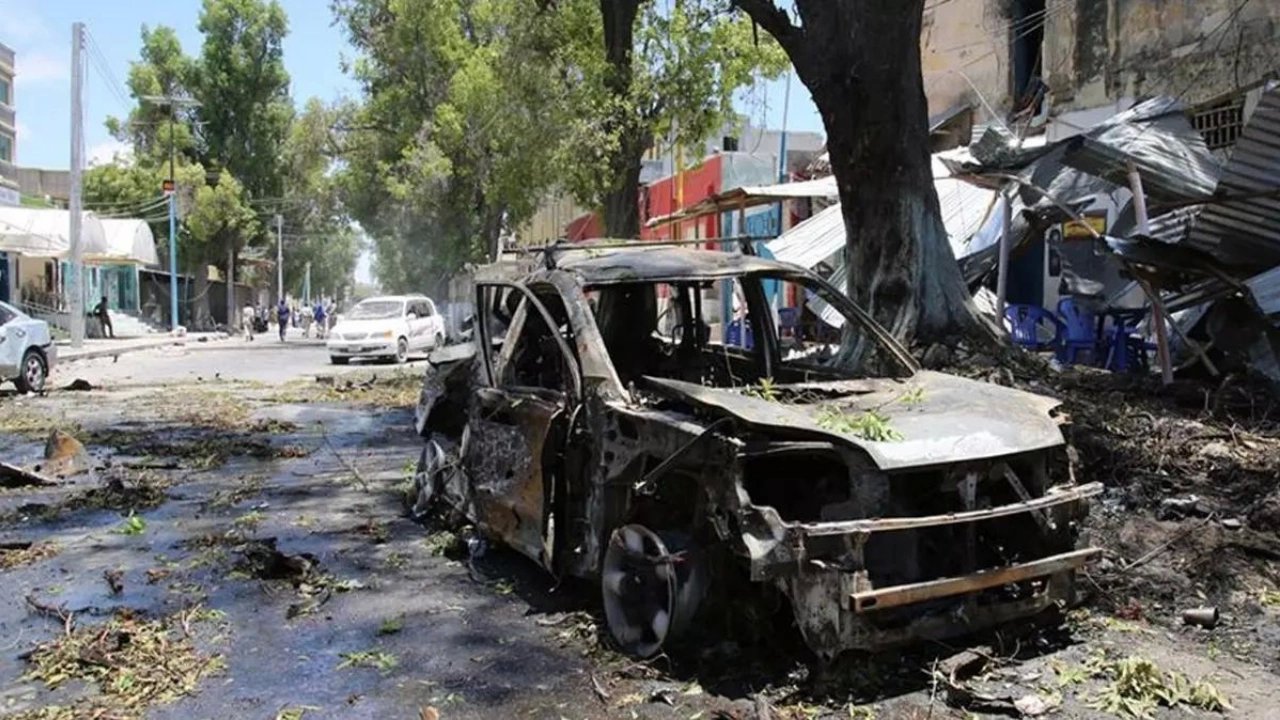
(651, 587)
(34, 372)
(339, 360)
(402, 350)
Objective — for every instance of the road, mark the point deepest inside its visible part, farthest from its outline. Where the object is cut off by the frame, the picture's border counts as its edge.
(264, 360)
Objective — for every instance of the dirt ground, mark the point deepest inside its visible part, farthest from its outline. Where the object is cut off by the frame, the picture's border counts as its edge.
(242, 551)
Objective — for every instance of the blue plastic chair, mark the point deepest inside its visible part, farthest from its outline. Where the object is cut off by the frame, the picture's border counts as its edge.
(1080, 332)
(1025, 322)
(1127, 351)
(788, 321)
(734, 334)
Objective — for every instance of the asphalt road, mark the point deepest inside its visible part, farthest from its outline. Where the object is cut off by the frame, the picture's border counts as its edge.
(265, 360)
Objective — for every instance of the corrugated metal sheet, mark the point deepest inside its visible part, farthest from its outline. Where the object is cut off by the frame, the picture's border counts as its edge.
(1265, 289)
(812, 241)
(1158, 139)
(971, 215)
(1246, 233)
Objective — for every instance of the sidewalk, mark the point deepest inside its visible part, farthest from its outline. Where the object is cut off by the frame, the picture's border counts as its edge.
(100, 347)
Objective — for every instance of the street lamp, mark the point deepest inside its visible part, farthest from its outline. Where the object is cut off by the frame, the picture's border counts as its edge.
(171, 189)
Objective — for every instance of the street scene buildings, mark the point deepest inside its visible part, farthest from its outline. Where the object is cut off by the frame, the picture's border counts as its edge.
(758, 360)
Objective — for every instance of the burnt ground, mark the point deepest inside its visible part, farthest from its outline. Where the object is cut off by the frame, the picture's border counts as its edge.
(242, 551)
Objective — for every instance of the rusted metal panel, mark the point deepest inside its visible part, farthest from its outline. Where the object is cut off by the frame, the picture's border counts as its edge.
(1061, 496)
(956, 420)
(884, 598)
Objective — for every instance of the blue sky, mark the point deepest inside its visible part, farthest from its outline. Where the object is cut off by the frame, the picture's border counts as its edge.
(40, 32)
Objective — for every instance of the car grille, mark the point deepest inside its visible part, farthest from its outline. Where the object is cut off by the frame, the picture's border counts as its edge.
(354, 336)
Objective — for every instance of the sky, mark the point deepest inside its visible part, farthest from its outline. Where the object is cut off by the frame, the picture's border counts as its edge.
(39, 31)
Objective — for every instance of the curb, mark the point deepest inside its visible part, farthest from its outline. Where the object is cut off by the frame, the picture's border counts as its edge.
(68, 355)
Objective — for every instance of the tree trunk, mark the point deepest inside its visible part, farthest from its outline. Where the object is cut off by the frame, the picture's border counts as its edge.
(201, 319)
(233, 317)
(861, 62)
(621, 201)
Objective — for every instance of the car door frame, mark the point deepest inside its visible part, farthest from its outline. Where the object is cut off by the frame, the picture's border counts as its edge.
(512, 500)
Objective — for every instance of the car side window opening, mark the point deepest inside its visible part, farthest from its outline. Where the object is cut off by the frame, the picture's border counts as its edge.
(535, 358)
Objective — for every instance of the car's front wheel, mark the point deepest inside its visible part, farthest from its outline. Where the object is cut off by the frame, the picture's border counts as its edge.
(402, 350)
(651, 587)
(34, 372)
(439, 340)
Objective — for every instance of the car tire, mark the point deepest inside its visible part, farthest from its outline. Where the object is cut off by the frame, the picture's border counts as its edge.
(439, 341)
(33, 372)
(339, 360)
(402, 350)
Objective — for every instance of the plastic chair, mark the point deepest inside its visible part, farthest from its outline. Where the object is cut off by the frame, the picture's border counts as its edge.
(788, 321)
(1024, 323)
(734, 334)
(1127, 350)
(1080, 332)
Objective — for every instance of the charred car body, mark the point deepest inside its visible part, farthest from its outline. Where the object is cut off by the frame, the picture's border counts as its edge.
(597, 425)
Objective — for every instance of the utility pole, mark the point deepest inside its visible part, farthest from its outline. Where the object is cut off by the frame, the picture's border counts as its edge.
(75, 295)
(279, 257)
(306, 286)
(171, 189)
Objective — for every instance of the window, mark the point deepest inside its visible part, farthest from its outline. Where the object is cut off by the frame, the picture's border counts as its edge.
(535, 357)
(6, 148)
(1221, 124)
(4, 93)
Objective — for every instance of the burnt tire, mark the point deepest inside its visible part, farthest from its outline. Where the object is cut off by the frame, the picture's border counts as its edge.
(32, 373)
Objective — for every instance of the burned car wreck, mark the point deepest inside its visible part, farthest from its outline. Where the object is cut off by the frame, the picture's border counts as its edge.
(600, 425)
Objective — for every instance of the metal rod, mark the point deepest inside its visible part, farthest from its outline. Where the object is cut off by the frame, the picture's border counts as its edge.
(279, 256)
(1006, 242)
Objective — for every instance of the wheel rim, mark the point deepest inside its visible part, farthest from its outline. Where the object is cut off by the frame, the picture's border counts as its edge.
(34, 373)
(649, 592)
(402, 349)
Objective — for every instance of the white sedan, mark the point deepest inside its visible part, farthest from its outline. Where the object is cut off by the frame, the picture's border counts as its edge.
(388, 327)
(27, 352)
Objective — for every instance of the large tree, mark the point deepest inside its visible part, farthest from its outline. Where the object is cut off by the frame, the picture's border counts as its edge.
(454, 137)
(641, 73)
(860, 60)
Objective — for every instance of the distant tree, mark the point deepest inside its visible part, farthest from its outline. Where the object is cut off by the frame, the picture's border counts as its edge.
(860, 60)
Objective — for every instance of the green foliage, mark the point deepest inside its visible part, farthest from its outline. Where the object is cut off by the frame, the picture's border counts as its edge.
(765, 390)
(382, 661)
(132, 525)
(869, 425)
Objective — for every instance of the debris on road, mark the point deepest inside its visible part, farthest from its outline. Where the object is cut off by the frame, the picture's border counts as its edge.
(79, 385)
(16, 554)
(1205, 617)
(12, 476)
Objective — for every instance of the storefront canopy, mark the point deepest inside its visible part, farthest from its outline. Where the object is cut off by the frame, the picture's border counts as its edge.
(741, 198)
(45, 232)
(129, 241)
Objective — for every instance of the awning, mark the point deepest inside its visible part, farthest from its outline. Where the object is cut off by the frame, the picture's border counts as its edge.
(973, 217)
(129, 241)
(750, 196)
(44, 232)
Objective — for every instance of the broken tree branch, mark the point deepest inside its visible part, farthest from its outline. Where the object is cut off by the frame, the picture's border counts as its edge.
(349, 465)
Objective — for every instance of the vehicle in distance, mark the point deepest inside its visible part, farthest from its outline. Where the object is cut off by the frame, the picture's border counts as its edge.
(387, 328)
(646, 418)
(27, 352)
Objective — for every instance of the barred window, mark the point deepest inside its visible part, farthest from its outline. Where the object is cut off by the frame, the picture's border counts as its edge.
(1220, 125)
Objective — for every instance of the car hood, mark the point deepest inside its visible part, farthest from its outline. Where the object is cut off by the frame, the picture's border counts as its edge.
(941, 418)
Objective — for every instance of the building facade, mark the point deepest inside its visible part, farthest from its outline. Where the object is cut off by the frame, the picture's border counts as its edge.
(9, 194)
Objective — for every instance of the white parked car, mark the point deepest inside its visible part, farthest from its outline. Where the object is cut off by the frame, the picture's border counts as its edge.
(27, 352)
(389, 327)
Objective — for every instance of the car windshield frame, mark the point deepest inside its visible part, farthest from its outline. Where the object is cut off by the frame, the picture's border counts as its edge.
(355, 313)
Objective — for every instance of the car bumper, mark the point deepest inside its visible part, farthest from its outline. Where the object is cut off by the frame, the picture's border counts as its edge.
(50, 356)
(362, 348)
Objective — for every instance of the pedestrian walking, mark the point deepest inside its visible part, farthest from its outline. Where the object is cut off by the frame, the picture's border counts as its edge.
(282, 318)
(248, 316)
(102, 313)
(321, 319)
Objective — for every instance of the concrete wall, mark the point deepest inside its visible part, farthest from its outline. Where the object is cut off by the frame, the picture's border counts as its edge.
(1198, 50)
(40, 183)
(964, 42)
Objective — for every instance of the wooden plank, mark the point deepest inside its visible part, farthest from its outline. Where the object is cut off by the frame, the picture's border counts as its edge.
(889, 597)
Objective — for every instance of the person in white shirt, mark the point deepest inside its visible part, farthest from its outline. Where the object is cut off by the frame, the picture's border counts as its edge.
(247, 318)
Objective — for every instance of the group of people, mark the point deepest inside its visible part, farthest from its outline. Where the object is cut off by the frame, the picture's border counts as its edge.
(256, 319)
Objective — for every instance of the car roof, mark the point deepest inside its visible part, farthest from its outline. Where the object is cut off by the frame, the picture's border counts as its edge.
(602, 267)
